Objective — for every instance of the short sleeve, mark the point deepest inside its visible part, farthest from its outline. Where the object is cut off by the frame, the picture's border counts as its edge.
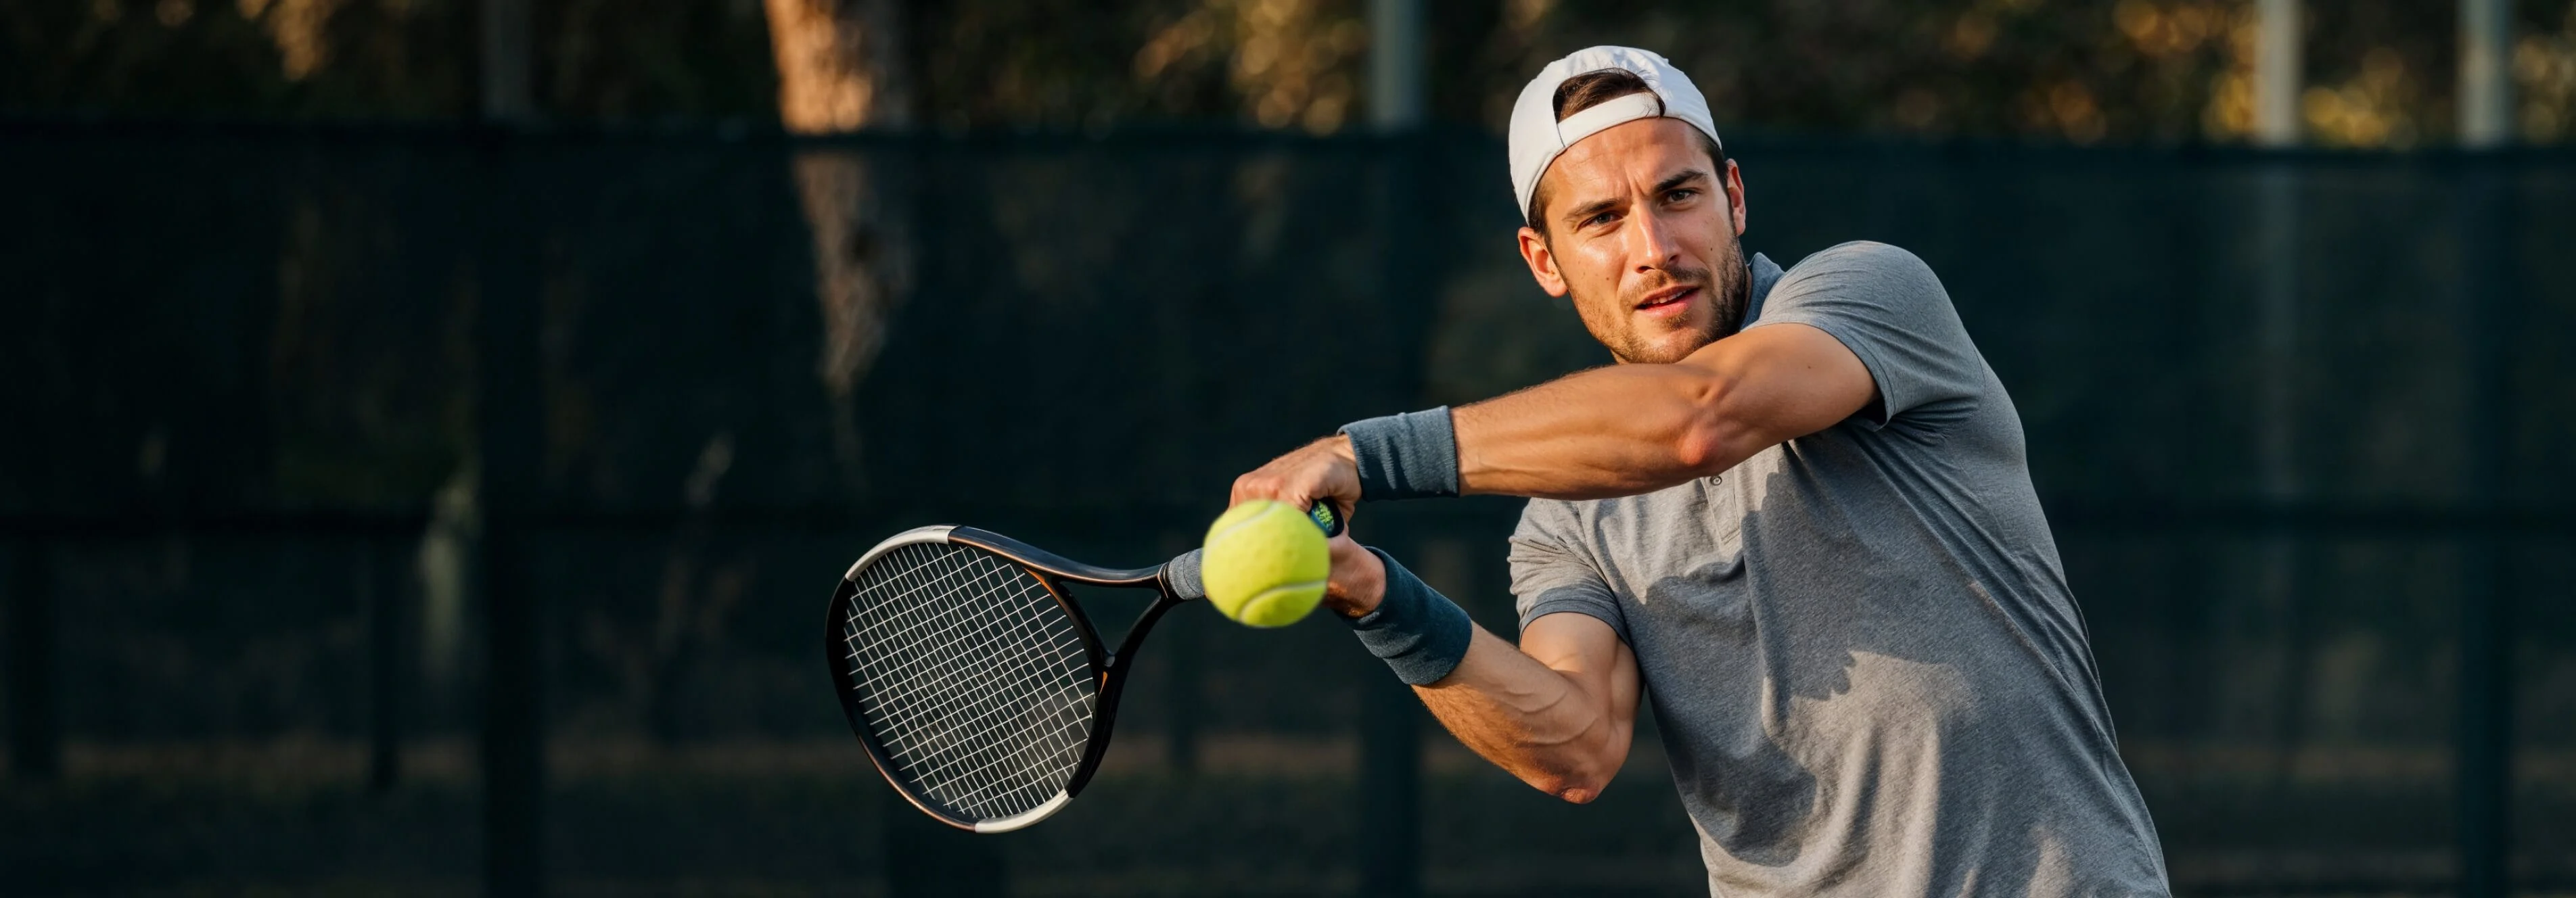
(1553, 572)
(1888, 308)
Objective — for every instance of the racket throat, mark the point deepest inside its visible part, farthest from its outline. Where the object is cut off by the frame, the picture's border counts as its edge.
(1113, 684)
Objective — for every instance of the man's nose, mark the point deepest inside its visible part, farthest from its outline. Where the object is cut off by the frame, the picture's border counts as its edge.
(1654, 247)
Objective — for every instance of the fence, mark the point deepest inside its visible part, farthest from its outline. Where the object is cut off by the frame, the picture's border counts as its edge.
(426, 509)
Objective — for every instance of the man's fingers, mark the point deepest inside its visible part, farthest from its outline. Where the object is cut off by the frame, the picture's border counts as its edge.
(1302, 478)
(1256, 485)
(1250, 487)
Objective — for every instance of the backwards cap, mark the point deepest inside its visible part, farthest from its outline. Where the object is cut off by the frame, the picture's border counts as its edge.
(1537, 138)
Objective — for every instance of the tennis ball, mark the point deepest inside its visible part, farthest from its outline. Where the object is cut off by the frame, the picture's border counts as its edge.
(1264, 564)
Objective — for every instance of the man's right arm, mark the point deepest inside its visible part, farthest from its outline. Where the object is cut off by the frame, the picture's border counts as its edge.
(1558, 711)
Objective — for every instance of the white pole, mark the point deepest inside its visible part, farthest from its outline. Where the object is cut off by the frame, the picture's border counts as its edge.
(2277, 650)
(2276, 124)
(2486, 73)
(2277, 74)
(1396, 101)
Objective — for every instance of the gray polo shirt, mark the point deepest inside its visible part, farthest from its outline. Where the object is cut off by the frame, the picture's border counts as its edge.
(1869, 674)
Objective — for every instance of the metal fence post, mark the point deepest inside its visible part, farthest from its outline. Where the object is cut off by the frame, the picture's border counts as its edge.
(508, 447)
(2485, 750)
(1390, 790)
(35, 744)
(382, 603)
(509, 451)
(1390, 782)
(514, 779)
(2485, 759)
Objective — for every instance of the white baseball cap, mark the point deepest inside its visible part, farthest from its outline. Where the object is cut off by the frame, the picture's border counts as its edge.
(1537, 138)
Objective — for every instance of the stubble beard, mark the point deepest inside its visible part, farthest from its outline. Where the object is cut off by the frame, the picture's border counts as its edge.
(1731, 286)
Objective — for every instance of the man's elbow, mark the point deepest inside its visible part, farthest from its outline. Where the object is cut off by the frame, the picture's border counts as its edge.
(1713, 437)
(1583, 794)
(1702, 451)
(1580, 778)
(1575, 788)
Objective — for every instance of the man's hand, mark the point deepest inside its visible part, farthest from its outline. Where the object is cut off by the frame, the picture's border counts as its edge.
(1321, 470)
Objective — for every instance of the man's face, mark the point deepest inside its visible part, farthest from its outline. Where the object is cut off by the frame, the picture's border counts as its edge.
(1643, 232)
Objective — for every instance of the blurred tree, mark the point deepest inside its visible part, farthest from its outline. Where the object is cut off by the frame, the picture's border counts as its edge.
(845, 65)
(839, 67)
(2544, 69)
(398, 58)
(2159, 70)
(842, 67)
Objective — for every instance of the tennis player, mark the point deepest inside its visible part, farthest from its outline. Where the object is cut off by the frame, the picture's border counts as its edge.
(1797, 517)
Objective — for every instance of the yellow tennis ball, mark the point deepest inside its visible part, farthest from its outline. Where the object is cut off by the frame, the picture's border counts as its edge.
(1264, 564)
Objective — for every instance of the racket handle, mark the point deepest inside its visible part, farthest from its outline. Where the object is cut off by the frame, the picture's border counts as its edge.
(1324, 516)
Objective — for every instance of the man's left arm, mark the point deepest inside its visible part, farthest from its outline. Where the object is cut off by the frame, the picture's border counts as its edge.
(1620, 430)
(1632, 429)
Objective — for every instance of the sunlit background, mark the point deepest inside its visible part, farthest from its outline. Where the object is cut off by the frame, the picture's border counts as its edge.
(433, 425)
(2376, 73)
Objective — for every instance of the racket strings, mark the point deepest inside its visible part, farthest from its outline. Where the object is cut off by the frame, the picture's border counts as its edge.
(1018, 674)
(948, 743)
(974, 681)
(956, 753)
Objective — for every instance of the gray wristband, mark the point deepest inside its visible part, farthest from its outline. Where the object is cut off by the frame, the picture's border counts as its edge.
(1409, 456)
(1417, 631)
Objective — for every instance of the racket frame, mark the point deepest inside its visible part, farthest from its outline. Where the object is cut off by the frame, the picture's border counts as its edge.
(1052, 572)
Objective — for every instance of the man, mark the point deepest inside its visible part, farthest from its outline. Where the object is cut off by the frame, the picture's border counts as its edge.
(1797, 516)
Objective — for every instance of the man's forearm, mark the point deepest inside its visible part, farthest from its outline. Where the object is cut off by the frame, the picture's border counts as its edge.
(1536, 722)
(1556, 711)
(1615, 431)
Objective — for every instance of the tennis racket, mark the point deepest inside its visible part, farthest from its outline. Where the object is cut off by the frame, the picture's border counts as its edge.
(972, 677)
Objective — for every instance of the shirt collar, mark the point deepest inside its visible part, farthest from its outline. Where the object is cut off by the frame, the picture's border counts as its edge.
(1765, 274)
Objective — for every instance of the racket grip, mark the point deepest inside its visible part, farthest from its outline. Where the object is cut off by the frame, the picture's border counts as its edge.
(1325, 517)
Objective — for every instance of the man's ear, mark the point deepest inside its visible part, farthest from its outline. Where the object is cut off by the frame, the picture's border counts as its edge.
(1542, 262)
(1735, 197)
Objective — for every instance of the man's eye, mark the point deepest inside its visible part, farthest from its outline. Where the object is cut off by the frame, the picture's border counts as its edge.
(1597, 219)
(1681, 194)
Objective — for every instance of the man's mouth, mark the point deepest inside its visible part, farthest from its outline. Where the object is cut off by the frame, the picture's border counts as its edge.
(1668, 299)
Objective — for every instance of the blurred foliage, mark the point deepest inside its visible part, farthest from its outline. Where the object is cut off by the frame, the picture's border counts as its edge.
(2380, 72)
